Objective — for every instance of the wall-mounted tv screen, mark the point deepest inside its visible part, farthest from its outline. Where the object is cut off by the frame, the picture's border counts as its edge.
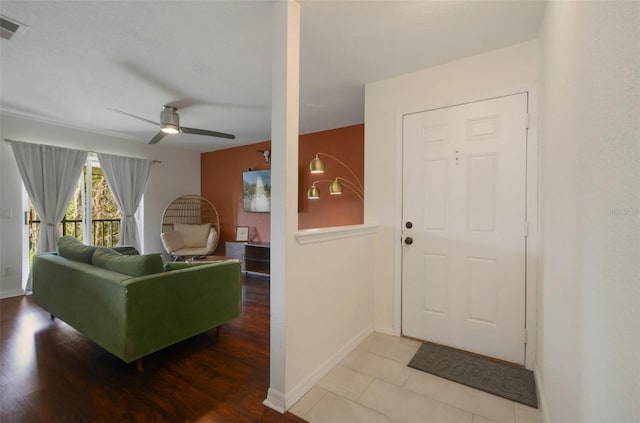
(256, 191)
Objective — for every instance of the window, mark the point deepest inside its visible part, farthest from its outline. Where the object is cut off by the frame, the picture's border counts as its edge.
(95, 222)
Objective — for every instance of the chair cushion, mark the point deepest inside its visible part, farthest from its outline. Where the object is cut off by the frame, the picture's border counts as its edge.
(74, 249)
(212, 239)
(132, 265)
(172, 241)
(193, 236)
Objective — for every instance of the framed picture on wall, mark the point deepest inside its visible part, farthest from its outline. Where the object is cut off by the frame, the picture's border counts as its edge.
(242, 233)
(256, 191)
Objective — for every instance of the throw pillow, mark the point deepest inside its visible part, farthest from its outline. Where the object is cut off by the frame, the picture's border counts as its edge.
(193, 236)
(146, 264)
(73, 249)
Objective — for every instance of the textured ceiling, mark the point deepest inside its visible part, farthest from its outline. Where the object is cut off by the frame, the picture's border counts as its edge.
(81, 62)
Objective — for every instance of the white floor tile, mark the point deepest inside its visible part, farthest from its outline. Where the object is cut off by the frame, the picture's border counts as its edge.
(480, 419)
(335, 409)
(433, 386)
(464, 397)
(373, 384)
(389, 347)
(345, 382)
(407, 406)
(377, 366)
(308, 401)
(486, 405)
(525, 414)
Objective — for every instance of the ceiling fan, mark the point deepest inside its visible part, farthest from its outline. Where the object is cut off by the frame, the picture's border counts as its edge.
(170, 124)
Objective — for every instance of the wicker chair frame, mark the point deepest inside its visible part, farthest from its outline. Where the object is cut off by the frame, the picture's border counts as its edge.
(193, 210)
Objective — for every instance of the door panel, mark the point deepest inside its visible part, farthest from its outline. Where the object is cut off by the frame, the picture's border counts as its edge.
(464, 188)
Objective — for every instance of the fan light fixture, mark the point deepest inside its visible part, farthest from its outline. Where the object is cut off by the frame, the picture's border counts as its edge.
(170, 120)
(168, 128)
(316, 165)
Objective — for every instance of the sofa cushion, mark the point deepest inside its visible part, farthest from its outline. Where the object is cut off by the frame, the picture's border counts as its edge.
(74, 249)
(127, 250)
(132, 265)
(193, 236)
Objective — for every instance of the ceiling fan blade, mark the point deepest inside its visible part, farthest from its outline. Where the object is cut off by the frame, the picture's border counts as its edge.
(205, 132)
(184, 103)
(160, 135)
(134, 116)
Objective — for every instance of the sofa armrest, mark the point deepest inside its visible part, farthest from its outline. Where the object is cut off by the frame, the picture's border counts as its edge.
(88, 298)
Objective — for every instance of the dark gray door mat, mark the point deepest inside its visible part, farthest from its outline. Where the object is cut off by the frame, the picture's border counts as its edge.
(508, 381)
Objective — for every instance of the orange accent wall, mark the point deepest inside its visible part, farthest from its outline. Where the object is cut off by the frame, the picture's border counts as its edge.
(346, 144)
(221, 183)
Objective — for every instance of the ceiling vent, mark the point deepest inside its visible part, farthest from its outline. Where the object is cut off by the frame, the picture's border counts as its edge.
(10, 28)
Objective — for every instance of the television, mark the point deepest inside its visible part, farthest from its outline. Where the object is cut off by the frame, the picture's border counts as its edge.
(256, 191)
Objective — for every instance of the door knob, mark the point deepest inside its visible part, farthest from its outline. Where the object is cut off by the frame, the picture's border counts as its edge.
(408, 240)
(409, 225)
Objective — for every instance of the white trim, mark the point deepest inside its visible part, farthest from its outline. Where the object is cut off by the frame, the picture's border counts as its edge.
(11, 293)
(397, 228)
(532, 207)
(312, 236)
(275, 400)
(542, 399)
(533, 245)
(305, 385)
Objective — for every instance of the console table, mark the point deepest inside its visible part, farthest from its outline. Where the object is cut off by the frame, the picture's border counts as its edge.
(255, 257)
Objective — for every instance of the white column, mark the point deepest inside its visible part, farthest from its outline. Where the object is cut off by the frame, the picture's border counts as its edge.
(284, 182)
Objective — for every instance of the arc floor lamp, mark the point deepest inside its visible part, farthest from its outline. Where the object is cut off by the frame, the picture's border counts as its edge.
(316, 165)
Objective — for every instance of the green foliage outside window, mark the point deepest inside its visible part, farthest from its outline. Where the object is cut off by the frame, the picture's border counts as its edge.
(105, 215)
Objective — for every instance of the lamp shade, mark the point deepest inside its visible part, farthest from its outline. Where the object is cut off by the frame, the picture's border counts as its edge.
(313, 193)
(335, 187)
(316, 165)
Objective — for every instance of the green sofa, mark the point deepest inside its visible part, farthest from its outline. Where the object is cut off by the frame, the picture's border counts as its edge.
(133, 305)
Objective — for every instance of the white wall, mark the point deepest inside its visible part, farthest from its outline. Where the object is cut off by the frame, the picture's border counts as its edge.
(463, 80)
(178, 174)
(321, 290)
(589, 299)
(329, 304)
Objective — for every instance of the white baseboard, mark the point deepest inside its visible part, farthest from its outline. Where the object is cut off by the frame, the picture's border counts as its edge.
(303, 387)
(275, 400)
(542, 399)
(11, 293)
(386, 330)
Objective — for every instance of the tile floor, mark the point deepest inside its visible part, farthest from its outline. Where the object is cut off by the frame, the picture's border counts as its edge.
(373, 384)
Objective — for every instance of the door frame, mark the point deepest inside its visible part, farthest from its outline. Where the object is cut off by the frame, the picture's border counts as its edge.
(532, 240)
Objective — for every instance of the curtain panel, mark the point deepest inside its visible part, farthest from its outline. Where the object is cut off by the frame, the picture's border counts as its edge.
(127, 178)
(49, 175)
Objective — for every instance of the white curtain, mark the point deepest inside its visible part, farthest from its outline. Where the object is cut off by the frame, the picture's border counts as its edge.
(127, 178)
(50, 175)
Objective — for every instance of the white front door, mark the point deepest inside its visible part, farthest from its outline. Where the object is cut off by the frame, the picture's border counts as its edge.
(464, 195)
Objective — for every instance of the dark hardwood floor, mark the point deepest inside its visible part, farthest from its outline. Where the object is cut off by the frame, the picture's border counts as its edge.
(51, 373)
